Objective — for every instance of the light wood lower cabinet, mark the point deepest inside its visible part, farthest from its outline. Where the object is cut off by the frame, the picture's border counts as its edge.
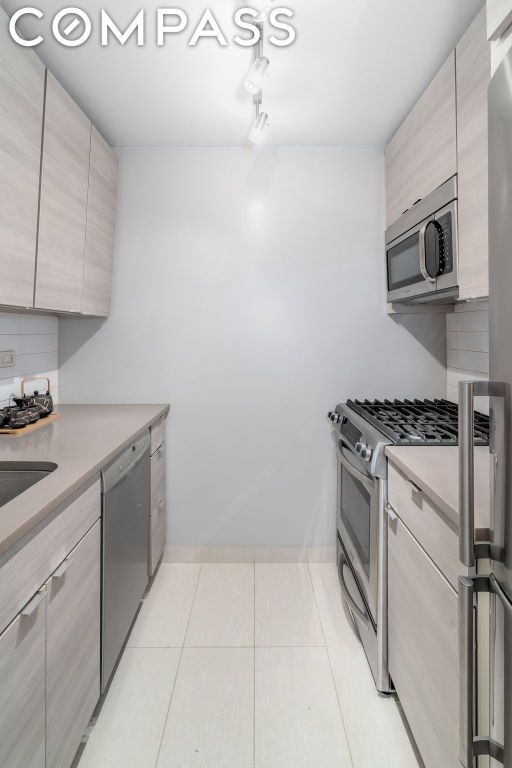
(423, 647)
(50, 651)
(73, 649)
(157, 520)
(21, 122)
(63, 202)
(22, 689)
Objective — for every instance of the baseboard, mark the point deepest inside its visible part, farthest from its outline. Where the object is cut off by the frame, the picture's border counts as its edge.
(175, 554)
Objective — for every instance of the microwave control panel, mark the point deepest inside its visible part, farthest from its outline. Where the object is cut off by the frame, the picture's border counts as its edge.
(444, 226)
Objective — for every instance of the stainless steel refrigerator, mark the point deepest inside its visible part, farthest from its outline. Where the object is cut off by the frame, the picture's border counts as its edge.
(492, 561)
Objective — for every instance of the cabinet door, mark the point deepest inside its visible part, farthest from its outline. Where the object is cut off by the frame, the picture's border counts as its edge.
(22, 688)
(21, 126)
(499, 17)
(63, 205)
(399, 170)
(473, 77)
(423, 648)
(100, 233)
(73, 649)
(435, 133)
(157, 520)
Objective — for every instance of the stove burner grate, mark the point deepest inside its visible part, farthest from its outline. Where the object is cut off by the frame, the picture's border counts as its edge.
(419, 422)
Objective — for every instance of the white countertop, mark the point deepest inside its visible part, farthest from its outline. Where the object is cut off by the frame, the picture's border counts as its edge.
(435, 469)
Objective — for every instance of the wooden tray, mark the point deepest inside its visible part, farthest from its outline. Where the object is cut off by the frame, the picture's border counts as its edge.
(31, 427)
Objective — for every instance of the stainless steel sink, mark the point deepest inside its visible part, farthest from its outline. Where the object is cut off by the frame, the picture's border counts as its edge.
(17, 476)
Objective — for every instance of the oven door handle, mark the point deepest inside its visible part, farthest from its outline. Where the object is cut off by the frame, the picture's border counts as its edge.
(368, 484)
(348, 597)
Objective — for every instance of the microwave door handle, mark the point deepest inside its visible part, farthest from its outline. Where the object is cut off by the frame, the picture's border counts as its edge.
(423, 253)
(368, 484)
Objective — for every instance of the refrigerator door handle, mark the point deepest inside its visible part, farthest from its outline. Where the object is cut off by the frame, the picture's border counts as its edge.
(466, 669)
(471, 746)
(497, 589)
(468, 390)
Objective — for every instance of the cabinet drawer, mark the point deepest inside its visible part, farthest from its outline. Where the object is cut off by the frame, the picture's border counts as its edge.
(427, 524)
(423, 647)
(23, 573)
(157, 433)
(158, 523)
(22, 690)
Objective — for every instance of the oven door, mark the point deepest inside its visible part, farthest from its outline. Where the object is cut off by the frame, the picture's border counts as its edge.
(358, 521)
(405, 265)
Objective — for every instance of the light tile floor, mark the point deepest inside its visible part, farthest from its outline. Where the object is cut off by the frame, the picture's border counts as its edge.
(243, 666)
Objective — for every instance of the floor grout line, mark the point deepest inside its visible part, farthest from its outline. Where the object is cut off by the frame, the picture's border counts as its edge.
(178, 669)
(331, 669)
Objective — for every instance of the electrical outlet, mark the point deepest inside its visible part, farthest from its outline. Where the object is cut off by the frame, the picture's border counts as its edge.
(7, 359)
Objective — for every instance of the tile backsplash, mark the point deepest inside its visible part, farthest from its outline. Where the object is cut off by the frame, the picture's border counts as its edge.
(467, 336)
(34, 338)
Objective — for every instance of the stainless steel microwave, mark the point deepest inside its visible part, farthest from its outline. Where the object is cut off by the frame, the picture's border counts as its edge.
(421, 250)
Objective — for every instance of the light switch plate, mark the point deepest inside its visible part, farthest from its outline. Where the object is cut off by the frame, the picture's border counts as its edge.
(7, 359)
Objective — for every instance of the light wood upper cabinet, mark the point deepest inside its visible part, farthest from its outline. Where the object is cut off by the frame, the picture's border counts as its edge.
(100, 232)
(434, 137)
(63, 206)
(423, 647)
(422, 154)
(21, 119)
(499, 17)
(473, 77)
(73, 649)
(22, 689)
(399, 172)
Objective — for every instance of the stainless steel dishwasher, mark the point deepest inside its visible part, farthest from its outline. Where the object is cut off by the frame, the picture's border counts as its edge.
(126, 503)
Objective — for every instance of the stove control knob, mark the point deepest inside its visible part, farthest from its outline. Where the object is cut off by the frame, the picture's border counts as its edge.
(366, 453)
(359, 447)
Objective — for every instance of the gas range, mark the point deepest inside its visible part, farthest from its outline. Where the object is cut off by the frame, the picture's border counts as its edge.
(413, 422)
(362, 430)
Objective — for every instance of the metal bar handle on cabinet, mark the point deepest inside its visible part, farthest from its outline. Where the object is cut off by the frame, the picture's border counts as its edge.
(62, 569)
(468, 390)
(32, 606)
(466, 681)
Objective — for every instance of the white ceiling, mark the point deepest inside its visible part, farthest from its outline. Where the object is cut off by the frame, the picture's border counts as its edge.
(353, 73)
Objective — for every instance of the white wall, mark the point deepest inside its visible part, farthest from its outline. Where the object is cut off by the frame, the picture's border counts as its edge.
(34, 338)
(249, 293)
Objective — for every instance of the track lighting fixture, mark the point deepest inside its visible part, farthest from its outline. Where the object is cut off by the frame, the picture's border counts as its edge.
(254, 81)
(258, 128)
(254, 84)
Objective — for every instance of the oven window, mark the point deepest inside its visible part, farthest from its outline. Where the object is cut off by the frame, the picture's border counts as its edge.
(355, 515)
(404, 264)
